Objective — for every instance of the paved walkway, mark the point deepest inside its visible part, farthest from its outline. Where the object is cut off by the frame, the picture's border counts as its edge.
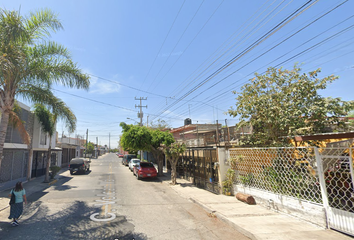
(253, 221)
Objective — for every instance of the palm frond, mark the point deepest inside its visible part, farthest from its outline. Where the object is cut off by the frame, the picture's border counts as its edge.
(47, 50)
(12, 29)
(20, 126)
(40, 23)
(61, 111)
(36, 93)
(45, 118)
(55, 67)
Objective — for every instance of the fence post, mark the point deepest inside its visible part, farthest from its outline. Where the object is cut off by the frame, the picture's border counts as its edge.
(322, 184)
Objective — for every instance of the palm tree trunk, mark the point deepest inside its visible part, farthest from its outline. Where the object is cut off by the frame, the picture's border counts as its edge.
(3, 129)
(49, 158)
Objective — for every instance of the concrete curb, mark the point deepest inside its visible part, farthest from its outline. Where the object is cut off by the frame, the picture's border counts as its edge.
(52, 182)
(225, 219)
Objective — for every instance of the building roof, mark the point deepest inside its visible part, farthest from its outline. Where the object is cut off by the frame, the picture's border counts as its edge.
(324, 136)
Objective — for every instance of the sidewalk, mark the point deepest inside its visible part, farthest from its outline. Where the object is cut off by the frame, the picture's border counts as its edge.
(253, 221)
(33, 186)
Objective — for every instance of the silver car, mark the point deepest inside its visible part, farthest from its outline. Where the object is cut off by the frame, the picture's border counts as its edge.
(133, 162)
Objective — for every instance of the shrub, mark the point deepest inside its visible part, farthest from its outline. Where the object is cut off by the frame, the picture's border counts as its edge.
(54, 170)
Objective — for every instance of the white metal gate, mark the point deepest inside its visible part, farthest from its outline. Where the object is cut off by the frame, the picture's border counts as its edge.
(335, 168)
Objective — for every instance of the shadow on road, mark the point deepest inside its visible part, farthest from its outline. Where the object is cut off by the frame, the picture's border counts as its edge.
(71, 223)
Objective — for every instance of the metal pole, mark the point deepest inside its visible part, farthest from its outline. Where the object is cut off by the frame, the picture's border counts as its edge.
(217, 131)
(197, 134)
(228, 131)
(86, 143)
(322, 181)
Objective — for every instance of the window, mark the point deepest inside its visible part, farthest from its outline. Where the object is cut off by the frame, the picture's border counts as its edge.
(43, 140)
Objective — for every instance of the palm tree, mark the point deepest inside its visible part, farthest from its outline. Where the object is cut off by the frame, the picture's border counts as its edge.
(48, 120)
(30, 64)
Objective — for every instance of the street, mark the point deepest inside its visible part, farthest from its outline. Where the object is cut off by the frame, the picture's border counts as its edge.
(110, 203)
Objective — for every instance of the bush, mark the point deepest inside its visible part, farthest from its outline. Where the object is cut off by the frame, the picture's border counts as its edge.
(54, 170)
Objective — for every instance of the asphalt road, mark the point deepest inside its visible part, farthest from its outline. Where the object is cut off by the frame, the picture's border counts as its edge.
(110, 203)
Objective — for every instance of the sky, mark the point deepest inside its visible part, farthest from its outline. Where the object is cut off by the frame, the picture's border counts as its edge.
(184, 58)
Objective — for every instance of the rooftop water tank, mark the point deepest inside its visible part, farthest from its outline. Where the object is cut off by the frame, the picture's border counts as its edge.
(187, 121)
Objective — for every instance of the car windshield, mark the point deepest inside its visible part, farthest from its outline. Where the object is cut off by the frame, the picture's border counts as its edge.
(146, 164)
(77, 161)
(135, 161)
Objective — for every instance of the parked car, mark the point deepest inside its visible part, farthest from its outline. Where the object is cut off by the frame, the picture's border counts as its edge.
(120, 155)
(126, 159)
(77, 165)
(133, 162)
(145, 170)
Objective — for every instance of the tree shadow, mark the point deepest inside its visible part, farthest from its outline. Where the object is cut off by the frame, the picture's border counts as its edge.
(185, 184)
(59, 186)
(71, 223)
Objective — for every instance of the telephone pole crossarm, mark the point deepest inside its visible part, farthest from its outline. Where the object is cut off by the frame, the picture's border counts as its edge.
(140, 114)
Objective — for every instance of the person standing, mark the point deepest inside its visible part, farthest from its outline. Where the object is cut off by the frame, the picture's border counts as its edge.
(16, 209)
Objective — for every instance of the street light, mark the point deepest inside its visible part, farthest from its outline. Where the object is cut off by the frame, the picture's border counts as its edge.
(134, 120)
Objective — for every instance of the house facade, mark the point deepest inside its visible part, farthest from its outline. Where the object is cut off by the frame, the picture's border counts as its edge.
(15, 162)
(70, 148)
(21, 161)
(40, 146)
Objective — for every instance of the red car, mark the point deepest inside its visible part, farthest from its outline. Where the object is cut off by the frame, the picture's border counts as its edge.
(145, 170)
(120, 155)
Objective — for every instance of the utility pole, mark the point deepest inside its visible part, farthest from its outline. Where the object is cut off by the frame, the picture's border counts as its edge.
(109, 143)
(96, 147)
(140, 114)
(86, 143)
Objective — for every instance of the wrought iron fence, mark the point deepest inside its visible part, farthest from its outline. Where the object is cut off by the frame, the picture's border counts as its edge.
(200, 166)
(287, 171)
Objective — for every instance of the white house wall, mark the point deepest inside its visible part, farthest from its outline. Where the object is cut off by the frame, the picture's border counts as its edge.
(37, 130)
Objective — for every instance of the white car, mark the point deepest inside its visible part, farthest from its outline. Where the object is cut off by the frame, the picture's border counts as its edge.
(133, 161)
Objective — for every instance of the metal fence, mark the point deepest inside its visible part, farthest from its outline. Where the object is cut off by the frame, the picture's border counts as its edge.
(13, 168)
(286, 171)
(199, 165)
(323, 176)
(337, 172)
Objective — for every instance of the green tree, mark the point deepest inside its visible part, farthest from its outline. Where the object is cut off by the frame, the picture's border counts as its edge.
(137, 138)
(160, 124)
(173, 152)
(30, 64)
(90, 148)
(284, 103)
(48, 117)
(159, 138)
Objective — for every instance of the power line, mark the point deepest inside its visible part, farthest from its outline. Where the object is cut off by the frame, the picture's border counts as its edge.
(176, 44)
(249, 48)
(281, 43)
(118, 83)
(163, 43)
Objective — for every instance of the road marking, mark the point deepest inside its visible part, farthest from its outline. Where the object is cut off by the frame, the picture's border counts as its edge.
(107, 196)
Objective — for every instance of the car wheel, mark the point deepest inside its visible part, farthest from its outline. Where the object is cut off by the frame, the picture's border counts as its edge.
(71, 172)
(137, 176)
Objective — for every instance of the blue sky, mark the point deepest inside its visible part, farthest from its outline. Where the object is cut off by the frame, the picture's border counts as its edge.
(168, 51)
